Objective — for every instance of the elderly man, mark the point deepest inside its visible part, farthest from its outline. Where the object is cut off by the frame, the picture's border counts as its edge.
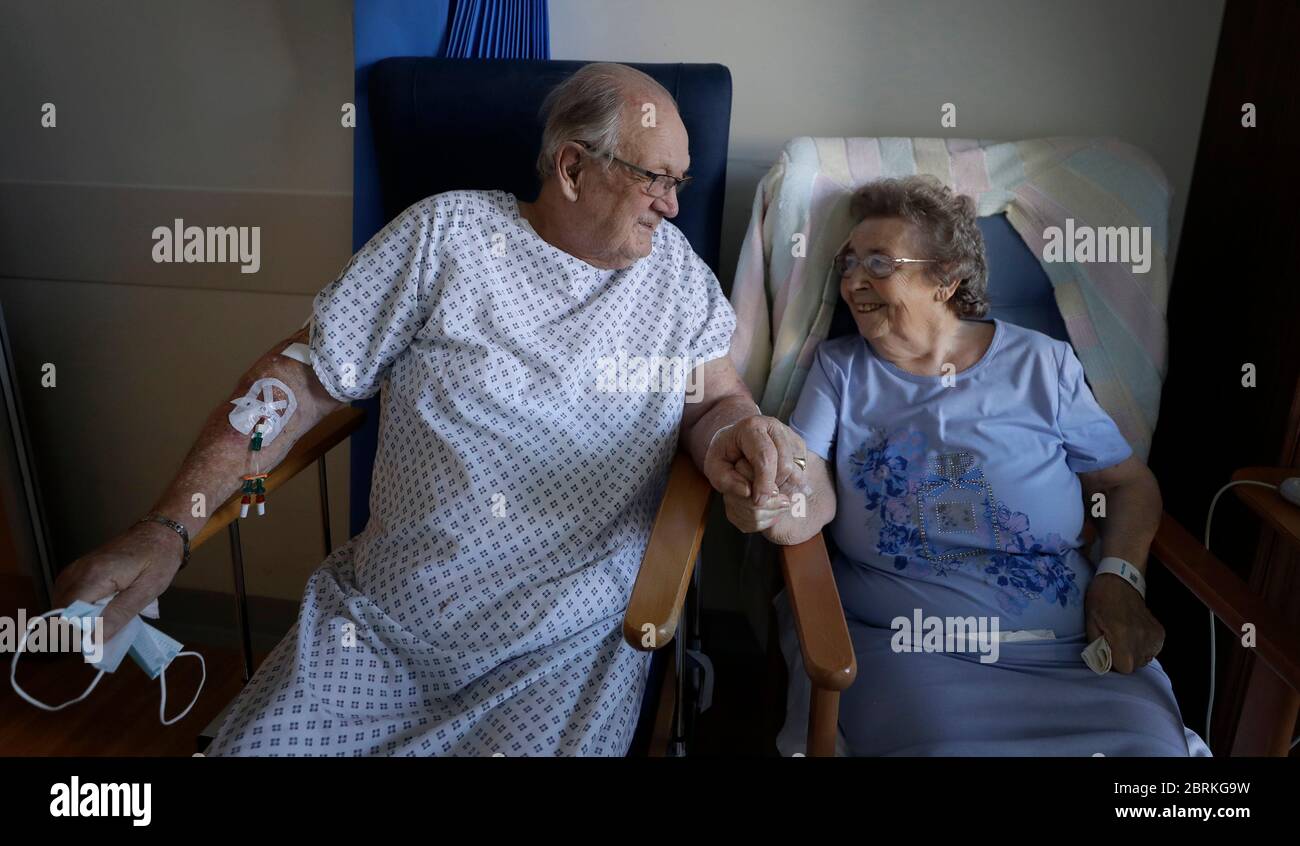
(514, 488)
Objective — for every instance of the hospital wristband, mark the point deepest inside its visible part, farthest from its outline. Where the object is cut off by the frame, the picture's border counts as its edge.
(1126, 571)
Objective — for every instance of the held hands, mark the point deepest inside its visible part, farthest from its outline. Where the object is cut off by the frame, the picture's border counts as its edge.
(138, 565)
(1114, 609)
(753, 465)
(748, 516)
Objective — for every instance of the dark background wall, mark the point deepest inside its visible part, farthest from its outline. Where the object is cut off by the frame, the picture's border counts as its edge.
(1235, 300)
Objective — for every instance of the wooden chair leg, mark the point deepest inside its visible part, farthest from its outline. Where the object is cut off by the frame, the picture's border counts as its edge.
(662, 736)
(775, 688)
(823, 721)
(1268, 715)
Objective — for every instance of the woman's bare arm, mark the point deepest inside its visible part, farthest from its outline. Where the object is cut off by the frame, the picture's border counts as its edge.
(1112, 608)
(1132, 509)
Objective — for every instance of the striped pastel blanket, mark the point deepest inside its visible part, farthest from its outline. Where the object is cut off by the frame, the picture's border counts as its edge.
(1115, 315)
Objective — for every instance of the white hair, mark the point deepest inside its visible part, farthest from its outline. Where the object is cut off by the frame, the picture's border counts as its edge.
(588, 106)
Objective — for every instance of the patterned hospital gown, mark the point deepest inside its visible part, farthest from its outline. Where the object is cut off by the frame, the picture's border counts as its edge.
(531, 409)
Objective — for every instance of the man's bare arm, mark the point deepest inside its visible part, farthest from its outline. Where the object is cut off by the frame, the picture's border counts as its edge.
(140, 563)
(217, 460)
(723, 400)
(726, 410)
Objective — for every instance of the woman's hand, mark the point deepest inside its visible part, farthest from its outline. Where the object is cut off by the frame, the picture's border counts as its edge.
(137, 565)
(785, 519)
(1114, 609)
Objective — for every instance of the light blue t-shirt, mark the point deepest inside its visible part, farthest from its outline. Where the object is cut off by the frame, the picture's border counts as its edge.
(959, 494)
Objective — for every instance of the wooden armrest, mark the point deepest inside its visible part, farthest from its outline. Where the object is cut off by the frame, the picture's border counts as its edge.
(1277, 642)
(818, 615)
(669, 560)
(1281, 516)
(321, 439)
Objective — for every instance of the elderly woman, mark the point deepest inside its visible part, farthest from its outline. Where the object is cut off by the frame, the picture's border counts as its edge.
(951, 456)
(513, 494)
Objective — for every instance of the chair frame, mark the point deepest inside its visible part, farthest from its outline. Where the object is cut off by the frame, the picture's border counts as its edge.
(666, 572)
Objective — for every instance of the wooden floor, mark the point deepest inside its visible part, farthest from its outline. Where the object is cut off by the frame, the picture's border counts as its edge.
(120, 717)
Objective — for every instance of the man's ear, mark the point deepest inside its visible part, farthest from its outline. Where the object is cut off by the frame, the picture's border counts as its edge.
(568, 170)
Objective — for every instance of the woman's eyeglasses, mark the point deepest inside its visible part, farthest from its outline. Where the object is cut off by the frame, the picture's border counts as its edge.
(877, 265)
(657, 185)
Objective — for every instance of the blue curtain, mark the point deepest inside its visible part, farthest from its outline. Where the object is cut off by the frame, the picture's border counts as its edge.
(462, 29)
(380, 29)
(499, 29)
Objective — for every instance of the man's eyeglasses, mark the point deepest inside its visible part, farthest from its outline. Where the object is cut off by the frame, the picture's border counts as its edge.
(877, 265)
(657, 185)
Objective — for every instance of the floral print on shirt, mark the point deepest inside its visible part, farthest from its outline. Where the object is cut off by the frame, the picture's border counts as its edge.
(893, 472)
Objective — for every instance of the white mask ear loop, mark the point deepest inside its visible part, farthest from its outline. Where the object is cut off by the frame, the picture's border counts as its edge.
(162, 704)
(13, 670)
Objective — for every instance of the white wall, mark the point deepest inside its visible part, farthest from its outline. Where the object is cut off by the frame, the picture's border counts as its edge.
(225, 112)
(1014, 69)
(231, 94)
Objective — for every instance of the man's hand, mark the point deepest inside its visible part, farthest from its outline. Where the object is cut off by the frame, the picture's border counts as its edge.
(1114, 609)
(748, 516)
(137, 565)
(770, 447)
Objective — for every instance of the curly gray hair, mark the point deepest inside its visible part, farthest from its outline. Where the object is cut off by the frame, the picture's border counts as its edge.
(588, 106)
(948, 230)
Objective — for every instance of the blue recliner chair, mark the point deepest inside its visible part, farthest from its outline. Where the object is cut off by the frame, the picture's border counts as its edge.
(1020, 292)
(446, 124)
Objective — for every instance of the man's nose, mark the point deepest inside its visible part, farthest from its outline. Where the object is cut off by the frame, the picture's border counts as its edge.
(667, 204)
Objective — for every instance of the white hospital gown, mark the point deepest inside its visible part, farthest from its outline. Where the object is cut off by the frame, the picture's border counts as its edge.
(515, 485)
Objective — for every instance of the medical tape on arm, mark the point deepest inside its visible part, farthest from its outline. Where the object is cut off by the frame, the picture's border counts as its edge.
(264, 414)
(260, 405)
(298, 352)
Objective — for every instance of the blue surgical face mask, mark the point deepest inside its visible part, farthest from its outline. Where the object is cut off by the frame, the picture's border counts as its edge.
(152, 650)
